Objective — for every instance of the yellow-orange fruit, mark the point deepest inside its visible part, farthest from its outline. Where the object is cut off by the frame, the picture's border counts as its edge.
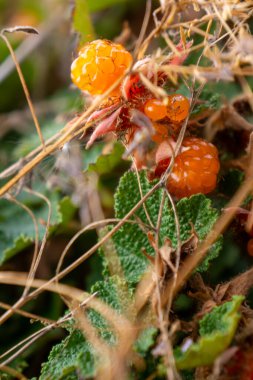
(98, 65)
(178, 108)
(155, 109)
(195, 169)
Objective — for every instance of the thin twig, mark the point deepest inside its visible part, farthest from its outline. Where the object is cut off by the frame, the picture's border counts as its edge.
(143, 28)
(141, 193)
(19, 278)
(71, 129)
(29, 45)
(178, 250)
(86, 255)
(26, 91)
(26, 314)
(54, 324)
(91, 226)
(170, 365)
(12, 372)
(31, 214)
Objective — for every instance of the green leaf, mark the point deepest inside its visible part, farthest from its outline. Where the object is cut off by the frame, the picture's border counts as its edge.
(82, 21)
(213, 253)
(130, 240)
(65, 212)
(217, 330)
(74, 356)
(17, 228)
(111, 292)
(107, 162)
(91, 155)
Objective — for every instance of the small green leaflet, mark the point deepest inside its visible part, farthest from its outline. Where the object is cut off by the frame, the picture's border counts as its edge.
(217, 330)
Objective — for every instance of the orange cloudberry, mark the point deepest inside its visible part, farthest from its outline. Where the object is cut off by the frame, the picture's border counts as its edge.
(98, 65)
(195, 168)
(178, 108)
(155, 109)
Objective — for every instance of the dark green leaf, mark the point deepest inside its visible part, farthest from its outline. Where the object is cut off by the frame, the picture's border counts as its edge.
(92, 155)
(129, 241)
(74, 355)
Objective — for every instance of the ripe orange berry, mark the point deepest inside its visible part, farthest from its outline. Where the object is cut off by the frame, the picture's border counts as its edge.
(155, 109)
(195, 168)
(98, 65)
(178, 108)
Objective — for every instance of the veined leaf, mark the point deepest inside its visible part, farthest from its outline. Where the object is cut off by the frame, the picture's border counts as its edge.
(194, 212)
(75, 354)
(217, 330)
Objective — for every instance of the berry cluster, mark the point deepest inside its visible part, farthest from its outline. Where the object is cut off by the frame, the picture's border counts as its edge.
(176, 110)
(147, 125)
